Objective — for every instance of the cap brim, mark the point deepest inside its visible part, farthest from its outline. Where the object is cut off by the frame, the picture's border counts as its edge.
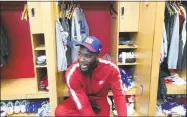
(86, 46)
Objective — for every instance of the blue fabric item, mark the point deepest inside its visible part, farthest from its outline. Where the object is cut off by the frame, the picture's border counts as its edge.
(1, 111)
(70, 43)
(126, 76)
(91, 43)
(28, 108)
(170, 102)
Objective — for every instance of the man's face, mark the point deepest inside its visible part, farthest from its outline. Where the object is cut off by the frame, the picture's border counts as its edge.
(86, 59)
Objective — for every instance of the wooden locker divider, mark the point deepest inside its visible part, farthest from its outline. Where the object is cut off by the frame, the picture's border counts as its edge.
(149, 42)
(54, 77)
(159, 20)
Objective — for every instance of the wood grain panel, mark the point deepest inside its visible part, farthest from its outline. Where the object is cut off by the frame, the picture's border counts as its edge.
(145, 41)
(159, 21)
(114, 34)
(49, 33)
(129, 19)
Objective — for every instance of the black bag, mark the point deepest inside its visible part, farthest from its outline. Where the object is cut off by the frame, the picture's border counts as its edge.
(95, 107)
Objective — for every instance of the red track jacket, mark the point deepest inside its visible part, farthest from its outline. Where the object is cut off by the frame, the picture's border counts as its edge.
(105, 77)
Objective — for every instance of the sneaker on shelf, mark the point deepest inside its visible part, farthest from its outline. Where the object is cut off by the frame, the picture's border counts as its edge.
(23, 106)
(3, 109)
(17, 107)
(28, 107)
(10, 108)
(130, 109)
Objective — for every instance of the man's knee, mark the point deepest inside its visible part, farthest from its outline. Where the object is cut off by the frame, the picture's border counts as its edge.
(59, 110)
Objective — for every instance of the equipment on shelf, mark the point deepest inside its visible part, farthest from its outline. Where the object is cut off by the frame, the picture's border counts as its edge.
(175, 80)
(41, 60)
(171, 105)
(123, 41)
(43, 84)
(127, 57)
(38, 107)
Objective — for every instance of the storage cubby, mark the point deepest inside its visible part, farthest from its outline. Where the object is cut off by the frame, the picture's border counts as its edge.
(41, 74)
(38, 41)
(127, 36)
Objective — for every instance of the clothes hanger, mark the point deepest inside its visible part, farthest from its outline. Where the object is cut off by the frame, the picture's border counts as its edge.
(62, 9)
(25, 14)
(112, 9)
(177, 8)
(67, 10)
(70, 9)
(169, 9)
(78, 5)
(172, 7)
(71, 13)
(57, 10)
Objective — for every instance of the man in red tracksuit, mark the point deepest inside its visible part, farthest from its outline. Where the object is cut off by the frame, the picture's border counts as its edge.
(89, 80)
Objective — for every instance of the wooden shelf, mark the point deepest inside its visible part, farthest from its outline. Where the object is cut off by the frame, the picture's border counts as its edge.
(127, 46)
(40, 47)
(38, 95)
(129, 92)
(175, 89)
(24, 88)
(40, 66)
(22, 115)
(127, 63)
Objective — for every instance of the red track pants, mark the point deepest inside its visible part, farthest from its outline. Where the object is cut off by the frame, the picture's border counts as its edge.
(68, 108)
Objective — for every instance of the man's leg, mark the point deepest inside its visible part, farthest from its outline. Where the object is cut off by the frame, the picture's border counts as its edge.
(66, 108)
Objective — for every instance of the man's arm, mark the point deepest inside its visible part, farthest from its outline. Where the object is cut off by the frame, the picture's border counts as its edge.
(78, 95)
(118, 92)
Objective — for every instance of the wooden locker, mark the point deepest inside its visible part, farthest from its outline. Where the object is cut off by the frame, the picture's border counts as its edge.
(128, 16)
(35, 17)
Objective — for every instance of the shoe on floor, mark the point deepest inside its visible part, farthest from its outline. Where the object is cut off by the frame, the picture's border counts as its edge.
(3, 109)
(130, 109)
(23, 106)
(10, 108)
(17, 107)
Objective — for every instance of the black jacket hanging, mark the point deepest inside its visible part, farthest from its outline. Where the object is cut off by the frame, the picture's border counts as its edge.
(4, 46)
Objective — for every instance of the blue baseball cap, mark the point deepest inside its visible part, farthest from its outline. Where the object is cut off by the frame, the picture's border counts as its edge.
(92, 44)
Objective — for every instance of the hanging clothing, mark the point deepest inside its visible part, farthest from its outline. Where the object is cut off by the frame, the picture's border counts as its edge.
(182, 40)
(4, 46)
(164, 45)
(174, 44)
(66, 26)
(61, 42)
(79, 31)
(183, 63)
